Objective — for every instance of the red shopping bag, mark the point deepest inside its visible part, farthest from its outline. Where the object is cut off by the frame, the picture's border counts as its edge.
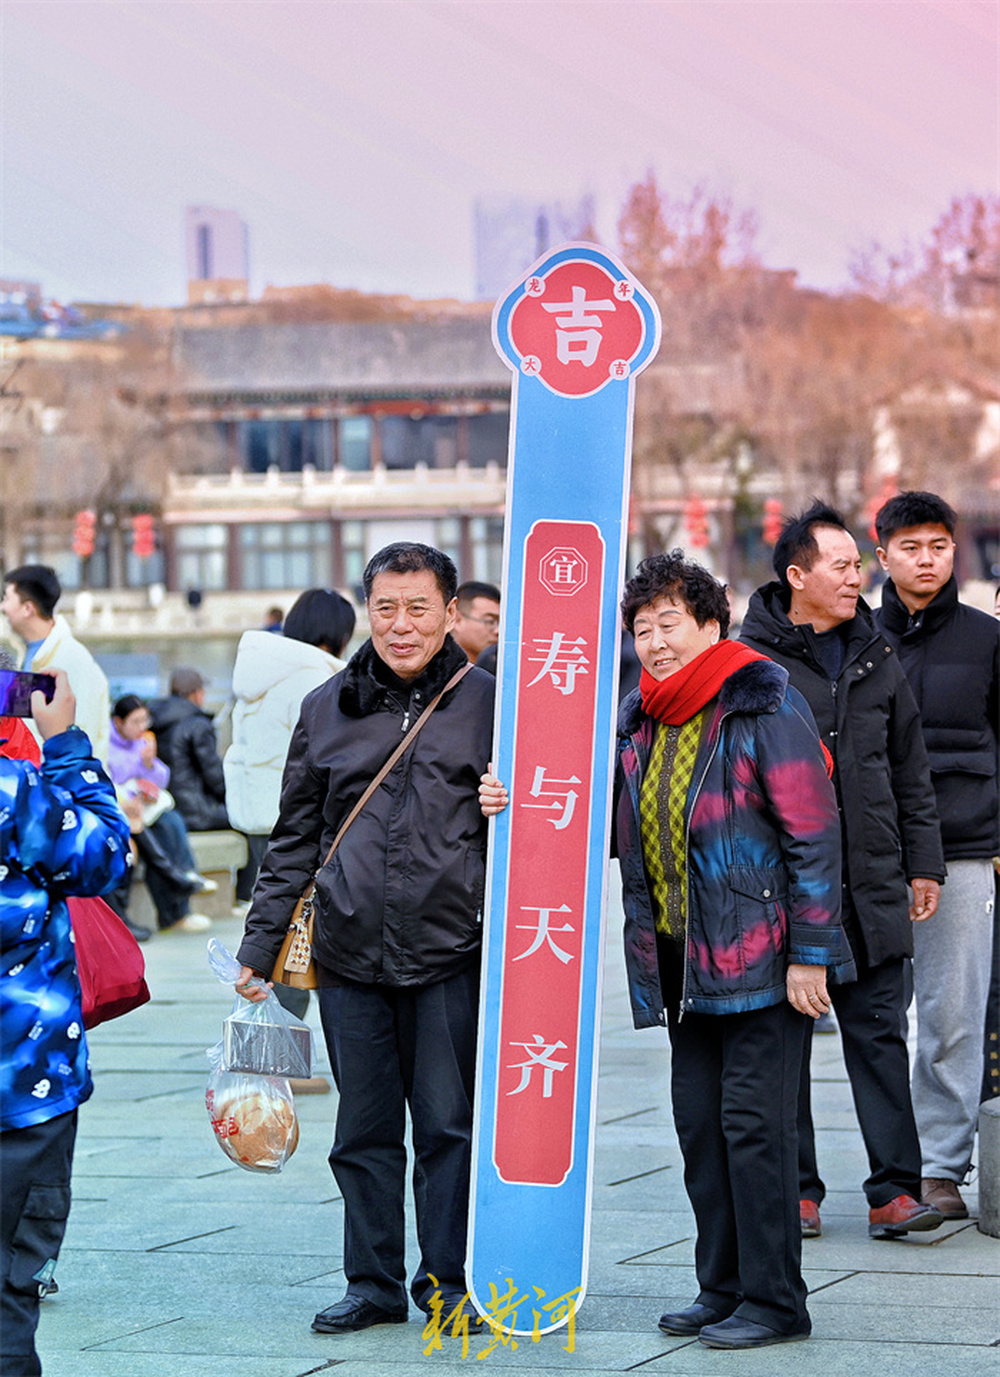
(111, 966)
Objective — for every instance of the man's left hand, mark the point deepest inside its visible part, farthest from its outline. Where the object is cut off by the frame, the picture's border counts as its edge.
(492, 794)
(926, 894)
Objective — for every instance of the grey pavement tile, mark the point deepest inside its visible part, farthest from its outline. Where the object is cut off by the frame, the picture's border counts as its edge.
(831, 1358)
(640, 1279)
(108, 1364)
(222, 1230)
(957, 1247)
(881, 1323)
(953, 1293)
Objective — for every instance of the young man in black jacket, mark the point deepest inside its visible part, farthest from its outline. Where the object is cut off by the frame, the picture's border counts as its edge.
(949, 653)
(397, 929)
(812, 621)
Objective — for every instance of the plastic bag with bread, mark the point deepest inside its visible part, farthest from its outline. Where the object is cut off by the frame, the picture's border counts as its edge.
(253, 1118)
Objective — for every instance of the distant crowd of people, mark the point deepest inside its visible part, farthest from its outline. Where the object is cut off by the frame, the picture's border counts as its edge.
(805, 818)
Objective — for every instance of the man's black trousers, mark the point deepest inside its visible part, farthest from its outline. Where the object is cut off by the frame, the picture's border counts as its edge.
(36, 1164)
(389, 1049)
(869, 1013)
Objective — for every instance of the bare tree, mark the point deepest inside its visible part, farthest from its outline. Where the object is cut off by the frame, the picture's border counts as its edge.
(95, 432)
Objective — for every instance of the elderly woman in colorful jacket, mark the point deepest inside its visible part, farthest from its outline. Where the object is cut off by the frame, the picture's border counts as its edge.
(727, 833)
(729, 844)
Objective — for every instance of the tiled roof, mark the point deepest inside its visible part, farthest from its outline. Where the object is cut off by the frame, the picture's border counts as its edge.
(357, 356)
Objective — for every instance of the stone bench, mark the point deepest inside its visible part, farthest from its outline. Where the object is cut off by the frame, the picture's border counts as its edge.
(218, 856)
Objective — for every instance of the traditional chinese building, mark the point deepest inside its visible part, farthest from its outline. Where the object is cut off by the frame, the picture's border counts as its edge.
(330, 440)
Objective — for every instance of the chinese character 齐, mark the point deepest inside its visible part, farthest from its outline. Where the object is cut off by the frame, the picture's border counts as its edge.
(539, 1055)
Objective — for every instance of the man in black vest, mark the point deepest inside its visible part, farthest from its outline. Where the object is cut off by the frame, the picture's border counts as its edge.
(949, 653)
(812, 621)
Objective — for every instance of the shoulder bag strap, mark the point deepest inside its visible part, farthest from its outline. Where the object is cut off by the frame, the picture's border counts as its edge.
(400, 750)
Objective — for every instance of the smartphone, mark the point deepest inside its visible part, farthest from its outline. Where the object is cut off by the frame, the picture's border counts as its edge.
(16, 688)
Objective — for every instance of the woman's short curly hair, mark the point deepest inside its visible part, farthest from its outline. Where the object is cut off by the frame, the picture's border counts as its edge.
(673, 576)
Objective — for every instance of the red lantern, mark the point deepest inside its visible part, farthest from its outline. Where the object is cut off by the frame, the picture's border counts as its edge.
(696, 521)
(774, 515)
(84, 533)
(143, 536)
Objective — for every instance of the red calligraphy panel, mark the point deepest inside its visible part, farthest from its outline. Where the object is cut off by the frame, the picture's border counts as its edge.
(549, 826)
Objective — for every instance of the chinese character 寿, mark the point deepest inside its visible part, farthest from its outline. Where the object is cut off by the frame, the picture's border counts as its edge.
(562, 665)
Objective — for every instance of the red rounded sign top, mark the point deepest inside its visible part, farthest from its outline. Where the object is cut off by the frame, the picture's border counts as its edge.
(576, 327)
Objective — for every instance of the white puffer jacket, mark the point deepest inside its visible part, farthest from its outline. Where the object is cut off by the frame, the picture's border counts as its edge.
(271, 676)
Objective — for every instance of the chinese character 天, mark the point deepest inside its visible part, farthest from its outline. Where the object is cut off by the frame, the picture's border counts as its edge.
(543, 931)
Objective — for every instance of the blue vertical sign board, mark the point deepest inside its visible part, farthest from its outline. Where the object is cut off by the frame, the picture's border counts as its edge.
(575, 332)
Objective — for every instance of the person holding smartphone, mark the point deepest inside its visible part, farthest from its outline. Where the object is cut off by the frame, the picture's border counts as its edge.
(61, 833)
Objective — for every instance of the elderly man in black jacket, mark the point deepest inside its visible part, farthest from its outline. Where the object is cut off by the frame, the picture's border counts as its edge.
(397, 930)
(949, 653)
(813, 622)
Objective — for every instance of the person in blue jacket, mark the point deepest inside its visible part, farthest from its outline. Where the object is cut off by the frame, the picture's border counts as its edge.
(61, 832)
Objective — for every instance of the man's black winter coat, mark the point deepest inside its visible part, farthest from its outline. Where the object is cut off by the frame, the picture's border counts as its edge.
(869, 722)
(949, 653)
(401, 902)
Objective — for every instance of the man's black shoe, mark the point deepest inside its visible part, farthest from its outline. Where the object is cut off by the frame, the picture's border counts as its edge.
(353, 1312)
(691, 1321)
(737, 1332)
(455, 1305)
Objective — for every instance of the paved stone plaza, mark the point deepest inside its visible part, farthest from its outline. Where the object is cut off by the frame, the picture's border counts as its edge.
(179, 1264)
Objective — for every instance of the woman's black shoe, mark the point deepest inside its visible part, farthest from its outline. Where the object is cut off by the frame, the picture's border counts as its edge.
(691, 1321)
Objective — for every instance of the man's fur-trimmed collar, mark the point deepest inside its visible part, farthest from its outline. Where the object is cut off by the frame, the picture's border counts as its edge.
(367, 683)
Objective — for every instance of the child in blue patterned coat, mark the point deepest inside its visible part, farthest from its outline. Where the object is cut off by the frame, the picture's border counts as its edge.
(61, 832)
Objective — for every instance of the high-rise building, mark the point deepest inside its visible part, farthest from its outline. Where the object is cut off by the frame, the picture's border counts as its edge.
(218, 255)
(511, 232)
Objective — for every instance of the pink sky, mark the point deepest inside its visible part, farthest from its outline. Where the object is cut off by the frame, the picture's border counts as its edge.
(353, 138)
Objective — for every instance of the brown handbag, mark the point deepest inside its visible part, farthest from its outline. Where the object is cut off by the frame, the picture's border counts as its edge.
(294, 964)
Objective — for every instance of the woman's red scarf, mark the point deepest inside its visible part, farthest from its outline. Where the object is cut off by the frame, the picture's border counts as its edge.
(675, 700)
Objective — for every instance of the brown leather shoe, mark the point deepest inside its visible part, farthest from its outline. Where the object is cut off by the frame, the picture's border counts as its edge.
(903, 1215)
(944, 1196)
(809, 1217)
